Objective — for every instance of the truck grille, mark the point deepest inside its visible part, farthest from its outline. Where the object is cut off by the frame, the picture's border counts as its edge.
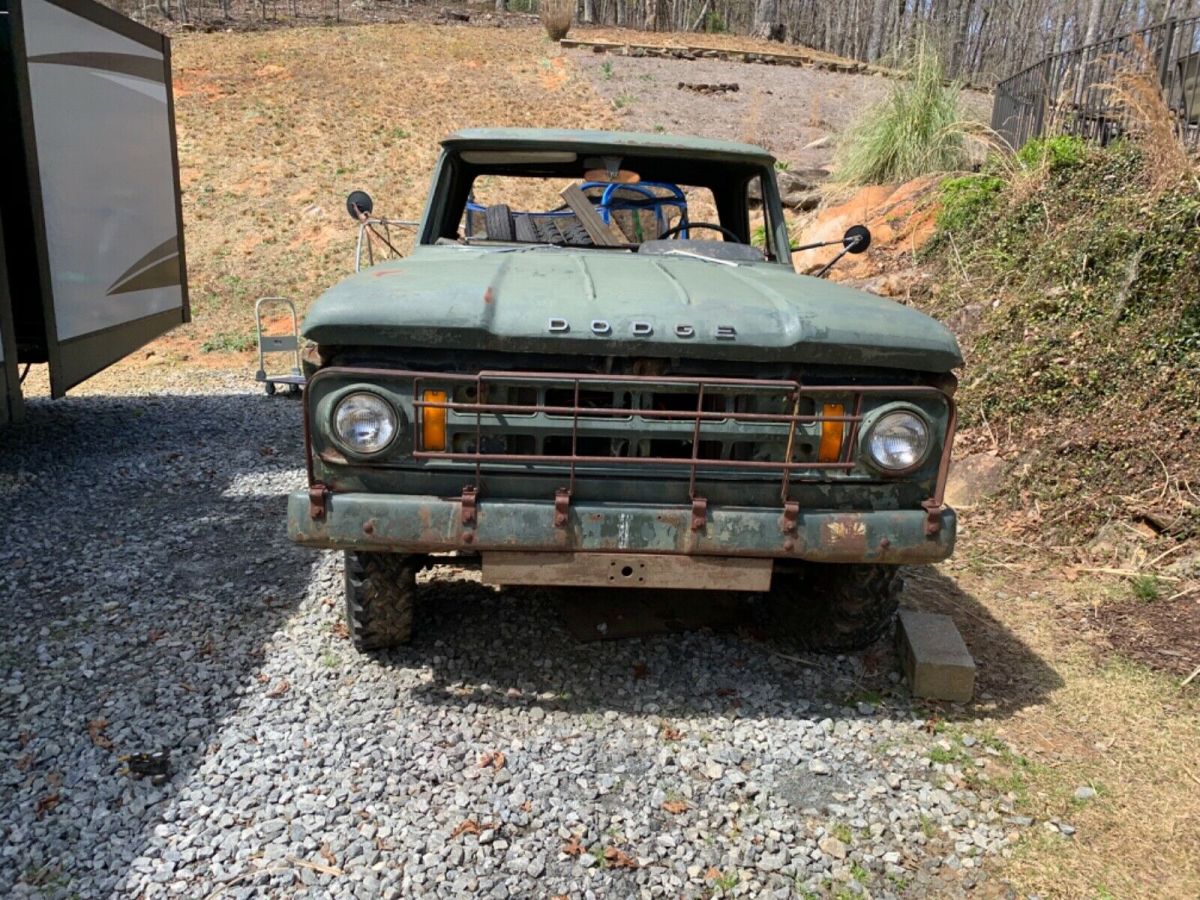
(681, 426)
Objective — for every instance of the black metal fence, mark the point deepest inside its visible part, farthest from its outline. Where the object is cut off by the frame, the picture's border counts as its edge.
(1072, 92)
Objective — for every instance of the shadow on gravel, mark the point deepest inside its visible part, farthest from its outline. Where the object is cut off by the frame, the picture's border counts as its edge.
(145, 567)
(515, 647)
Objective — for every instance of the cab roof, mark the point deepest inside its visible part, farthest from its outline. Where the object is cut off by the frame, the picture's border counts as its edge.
(606, 143)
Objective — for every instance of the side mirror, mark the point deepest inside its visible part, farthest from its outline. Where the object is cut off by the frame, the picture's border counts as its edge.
(856, 239)
(359, 205)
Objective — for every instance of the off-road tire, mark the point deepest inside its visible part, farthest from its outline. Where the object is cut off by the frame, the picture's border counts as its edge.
(380, 589)
(498, 222)
(835, 608)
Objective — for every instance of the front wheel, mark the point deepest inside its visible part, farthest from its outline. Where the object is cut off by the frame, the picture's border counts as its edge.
(836, 608)
(380, 589)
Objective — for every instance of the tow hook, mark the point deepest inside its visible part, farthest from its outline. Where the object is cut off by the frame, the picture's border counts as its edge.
(470, 513)
(933, 517)
(562, 506)
(318, 495)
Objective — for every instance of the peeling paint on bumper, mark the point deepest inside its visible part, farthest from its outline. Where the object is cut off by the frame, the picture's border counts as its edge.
(418, 524)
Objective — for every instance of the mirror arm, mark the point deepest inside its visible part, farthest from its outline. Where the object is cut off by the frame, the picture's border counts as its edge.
(829, 265)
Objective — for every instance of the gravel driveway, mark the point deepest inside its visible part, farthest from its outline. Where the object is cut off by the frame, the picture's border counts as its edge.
(154, 602)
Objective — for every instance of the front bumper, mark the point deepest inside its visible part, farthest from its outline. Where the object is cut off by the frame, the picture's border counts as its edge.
(420, 524)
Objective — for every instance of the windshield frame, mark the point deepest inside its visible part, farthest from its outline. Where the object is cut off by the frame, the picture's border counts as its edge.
(453, 177)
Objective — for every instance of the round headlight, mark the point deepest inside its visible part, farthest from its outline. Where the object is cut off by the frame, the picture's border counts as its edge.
(364, 423)
(898, 441)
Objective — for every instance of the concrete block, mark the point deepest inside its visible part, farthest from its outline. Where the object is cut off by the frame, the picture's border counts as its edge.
(935, 658)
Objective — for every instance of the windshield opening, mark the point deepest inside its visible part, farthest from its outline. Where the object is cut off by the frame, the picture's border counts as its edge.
(645, 205)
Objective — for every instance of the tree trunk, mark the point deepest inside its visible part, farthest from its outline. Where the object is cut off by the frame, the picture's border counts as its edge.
(767, 24)
(1095, 11)
(878, 25)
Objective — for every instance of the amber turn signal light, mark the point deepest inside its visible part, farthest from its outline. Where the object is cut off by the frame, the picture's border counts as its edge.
(832, 433)
(433, 419)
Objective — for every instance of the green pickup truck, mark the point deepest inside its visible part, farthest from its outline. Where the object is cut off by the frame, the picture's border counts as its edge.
(599, 367)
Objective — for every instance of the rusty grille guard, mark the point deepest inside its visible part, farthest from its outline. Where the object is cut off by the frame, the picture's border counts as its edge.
(576, 382)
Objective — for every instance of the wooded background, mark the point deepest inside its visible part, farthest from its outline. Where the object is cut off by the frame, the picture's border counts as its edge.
(980, 41)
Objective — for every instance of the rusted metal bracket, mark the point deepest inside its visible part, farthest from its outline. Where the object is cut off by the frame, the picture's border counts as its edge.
(562, 507)
(933, 517)
(791, 515)
(699, 513)
(469, 508)
(318, 494)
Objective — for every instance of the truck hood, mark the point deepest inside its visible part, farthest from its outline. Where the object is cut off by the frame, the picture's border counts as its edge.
(553, 300)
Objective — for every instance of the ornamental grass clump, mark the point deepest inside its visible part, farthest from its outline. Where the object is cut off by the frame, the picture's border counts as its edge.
(918, 130)
(556, 16)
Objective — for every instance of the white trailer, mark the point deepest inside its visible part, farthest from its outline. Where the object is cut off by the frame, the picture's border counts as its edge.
(91, 222)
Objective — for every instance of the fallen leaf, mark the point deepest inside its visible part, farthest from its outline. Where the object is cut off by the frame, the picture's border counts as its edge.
(46, 804)
(327, 855)
(527, 806)
(670, 733)
(340, 630)
(263, 677)
(155, 634)
(640, 671)
(466, 826)
(493, 758)
(95, 730)
(279, 690)
(712, 874)
(572, 847)
(619, 859)
(675, 807)
(25, 762)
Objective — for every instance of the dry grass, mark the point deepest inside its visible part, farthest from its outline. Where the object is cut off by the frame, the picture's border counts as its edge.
(1151, 123)
(1110, 724)
(557, 17)
(275, 128)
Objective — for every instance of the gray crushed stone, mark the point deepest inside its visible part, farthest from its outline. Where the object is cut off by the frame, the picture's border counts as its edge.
(154, 603)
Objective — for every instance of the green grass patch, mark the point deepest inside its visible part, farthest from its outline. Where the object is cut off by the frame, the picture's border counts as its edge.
(1064, 151)
(1146, 588)
(965, 199)
(229, 342)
